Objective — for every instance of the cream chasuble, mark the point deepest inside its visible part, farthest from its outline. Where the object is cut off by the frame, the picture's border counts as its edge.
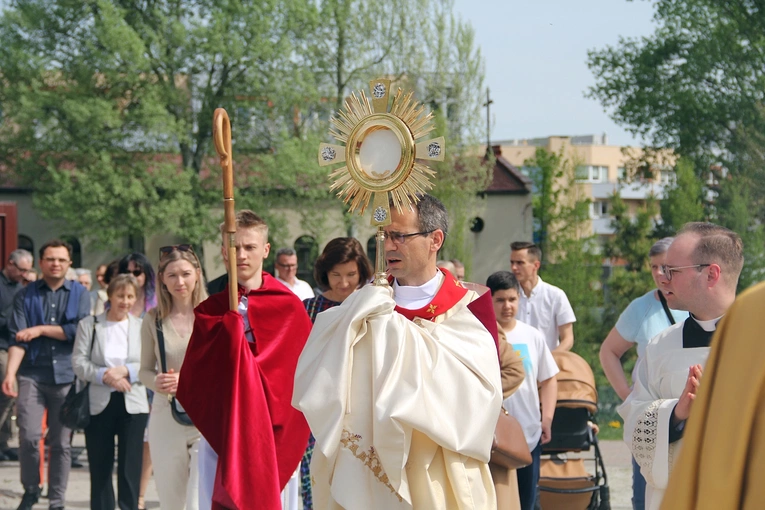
(403, 411)
(660, 380)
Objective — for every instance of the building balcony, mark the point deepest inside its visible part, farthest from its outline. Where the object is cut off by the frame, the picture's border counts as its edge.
(628, 191)
(602, 226)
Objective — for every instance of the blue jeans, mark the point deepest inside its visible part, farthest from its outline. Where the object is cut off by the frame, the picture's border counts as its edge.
(528, 479)
(638, 487)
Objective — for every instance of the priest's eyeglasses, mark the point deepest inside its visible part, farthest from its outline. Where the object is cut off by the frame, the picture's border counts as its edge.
(399, 238)
(668, 270)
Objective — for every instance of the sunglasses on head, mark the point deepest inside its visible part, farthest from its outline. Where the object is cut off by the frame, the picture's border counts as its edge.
(167, 250)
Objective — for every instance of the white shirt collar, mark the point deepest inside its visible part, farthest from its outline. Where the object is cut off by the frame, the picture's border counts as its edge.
(709, 325)
(406, 296)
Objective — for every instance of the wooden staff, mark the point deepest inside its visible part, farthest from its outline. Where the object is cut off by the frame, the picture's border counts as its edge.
(222, 141)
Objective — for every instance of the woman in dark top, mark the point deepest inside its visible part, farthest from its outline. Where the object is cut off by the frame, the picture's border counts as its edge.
(340, 270)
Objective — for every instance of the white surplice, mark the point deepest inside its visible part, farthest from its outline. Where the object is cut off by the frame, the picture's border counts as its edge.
(659, 382)
(403, 411)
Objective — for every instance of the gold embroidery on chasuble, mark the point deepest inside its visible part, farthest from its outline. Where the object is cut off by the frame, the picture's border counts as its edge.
(432, 308)
(369, 457)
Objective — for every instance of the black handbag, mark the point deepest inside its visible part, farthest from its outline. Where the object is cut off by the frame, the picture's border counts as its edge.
(179, 414)
(75, 411)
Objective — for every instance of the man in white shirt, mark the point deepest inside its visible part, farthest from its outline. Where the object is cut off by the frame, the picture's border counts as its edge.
(287, 266)
(543, 306)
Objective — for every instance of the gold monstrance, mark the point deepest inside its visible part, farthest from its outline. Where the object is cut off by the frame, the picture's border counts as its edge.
(381, 150)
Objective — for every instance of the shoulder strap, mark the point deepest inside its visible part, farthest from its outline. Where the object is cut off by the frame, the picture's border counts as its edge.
(161, 345)
(93, 334)
(664, 305)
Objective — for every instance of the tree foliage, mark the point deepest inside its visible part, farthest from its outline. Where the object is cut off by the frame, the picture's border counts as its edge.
(110, 102)
(696, 86)
(569, 250)
(632, 233)
(683, 201)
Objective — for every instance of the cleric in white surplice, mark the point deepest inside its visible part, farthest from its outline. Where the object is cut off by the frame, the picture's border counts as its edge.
(701, 273)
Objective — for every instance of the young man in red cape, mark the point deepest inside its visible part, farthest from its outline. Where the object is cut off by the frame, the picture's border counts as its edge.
(401, 384)
(236, 382)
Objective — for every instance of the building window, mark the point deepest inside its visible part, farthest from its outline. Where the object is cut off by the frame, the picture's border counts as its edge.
(592, 173)
(26, 243)
(599, 209)
(621, 173)
(668, 177)
(76, 250)
(307, 252)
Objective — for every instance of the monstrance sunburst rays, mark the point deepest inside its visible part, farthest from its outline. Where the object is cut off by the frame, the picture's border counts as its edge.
(382, 168)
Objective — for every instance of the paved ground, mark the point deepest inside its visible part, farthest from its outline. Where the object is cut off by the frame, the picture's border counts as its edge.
(615, 454)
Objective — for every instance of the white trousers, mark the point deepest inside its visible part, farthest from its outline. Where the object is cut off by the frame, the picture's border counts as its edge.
(174, 449)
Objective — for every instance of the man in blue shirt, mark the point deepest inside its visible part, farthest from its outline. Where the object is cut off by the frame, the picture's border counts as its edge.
(42, 330)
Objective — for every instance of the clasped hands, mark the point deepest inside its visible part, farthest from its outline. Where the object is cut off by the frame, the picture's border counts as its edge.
(683, 407)
(167, 382)
(117, 378)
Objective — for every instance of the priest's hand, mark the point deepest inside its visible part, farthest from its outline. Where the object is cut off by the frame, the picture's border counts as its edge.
(683, 408)
(167, 383)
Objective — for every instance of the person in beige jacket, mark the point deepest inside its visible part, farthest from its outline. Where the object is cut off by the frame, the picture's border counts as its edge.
(106, 354)
(174, 447)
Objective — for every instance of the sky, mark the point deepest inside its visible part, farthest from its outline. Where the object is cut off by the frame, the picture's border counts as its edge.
(535, 53)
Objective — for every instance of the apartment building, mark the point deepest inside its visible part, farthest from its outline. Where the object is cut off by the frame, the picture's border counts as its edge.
(602, 170)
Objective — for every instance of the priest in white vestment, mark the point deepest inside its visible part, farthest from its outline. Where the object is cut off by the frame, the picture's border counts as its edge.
(701, 273)
(400, 385)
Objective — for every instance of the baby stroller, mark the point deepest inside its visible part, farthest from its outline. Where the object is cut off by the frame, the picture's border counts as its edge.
(565, 482)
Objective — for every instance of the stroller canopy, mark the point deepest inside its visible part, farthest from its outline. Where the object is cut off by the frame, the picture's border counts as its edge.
(576, 382)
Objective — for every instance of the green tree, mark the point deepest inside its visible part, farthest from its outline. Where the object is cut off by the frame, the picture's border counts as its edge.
(115, 98)
(632, 240)
(695, 86)
(683, 201)
(571, 261)
(628, 250)
(111, 90)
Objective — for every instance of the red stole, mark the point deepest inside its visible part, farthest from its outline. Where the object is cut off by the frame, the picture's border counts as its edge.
(239, 394)
(448, 295)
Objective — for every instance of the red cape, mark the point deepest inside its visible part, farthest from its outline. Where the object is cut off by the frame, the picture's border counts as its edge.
(239, 394)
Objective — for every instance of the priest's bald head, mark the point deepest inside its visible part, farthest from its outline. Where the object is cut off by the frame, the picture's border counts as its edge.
(702, 268)
(413, 239)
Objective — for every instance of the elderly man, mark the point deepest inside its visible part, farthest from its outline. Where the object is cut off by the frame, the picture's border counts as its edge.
(12, 279)
(542, 306)
(287, 266)
(700, 275)
(401, 384)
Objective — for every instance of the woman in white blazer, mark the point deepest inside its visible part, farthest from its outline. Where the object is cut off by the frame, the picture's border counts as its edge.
(107, 354)
(174, 446)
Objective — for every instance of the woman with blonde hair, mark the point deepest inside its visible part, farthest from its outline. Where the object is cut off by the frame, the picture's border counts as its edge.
(173, 440)
(106, 354)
